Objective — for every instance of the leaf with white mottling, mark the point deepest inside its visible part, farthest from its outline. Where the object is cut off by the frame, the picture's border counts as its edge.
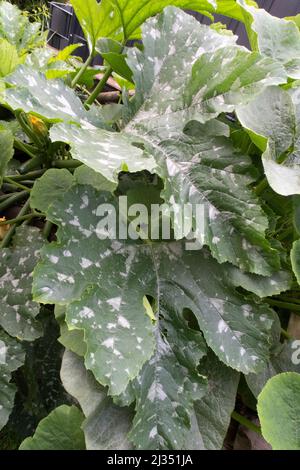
(106, 425)
(16, 266)
(50, 186)
(11, 358)
(9, 58)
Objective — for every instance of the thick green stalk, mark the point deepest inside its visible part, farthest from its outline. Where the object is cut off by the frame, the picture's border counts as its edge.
(6, 240)
(13, 199)
(82, 70)
(16, 184)
(245, 422)
(94, 95)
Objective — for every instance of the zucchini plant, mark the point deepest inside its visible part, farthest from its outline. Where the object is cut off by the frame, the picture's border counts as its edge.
(149, 337)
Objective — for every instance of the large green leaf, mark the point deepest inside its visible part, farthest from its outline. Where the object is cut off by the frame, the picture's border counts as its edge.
(279, 411)
(106, 425)
(277, 38)
(201, 168)
(6, 150)
(16, 28)
(60, 430)
(16, 265)
(75, 272)
(272, 121)
(11, 358)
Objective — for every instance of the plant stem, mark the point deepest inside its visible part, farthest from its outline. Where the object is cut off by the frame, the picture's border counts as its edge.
(47, 228)
(10, 233)
(13, 199)
(246, 422)
(24, 147)
(66, 163)
(30, 175)
(82, 70)
(285, 305)
(21, 218)
(98, 88)
(14, 183)
(262, 185)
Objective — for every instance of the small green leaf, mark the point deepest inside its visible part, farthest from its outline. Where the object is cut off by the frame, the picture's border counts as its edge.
(279, 411)
(272, 121)
(51, 99)
(60, 430)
